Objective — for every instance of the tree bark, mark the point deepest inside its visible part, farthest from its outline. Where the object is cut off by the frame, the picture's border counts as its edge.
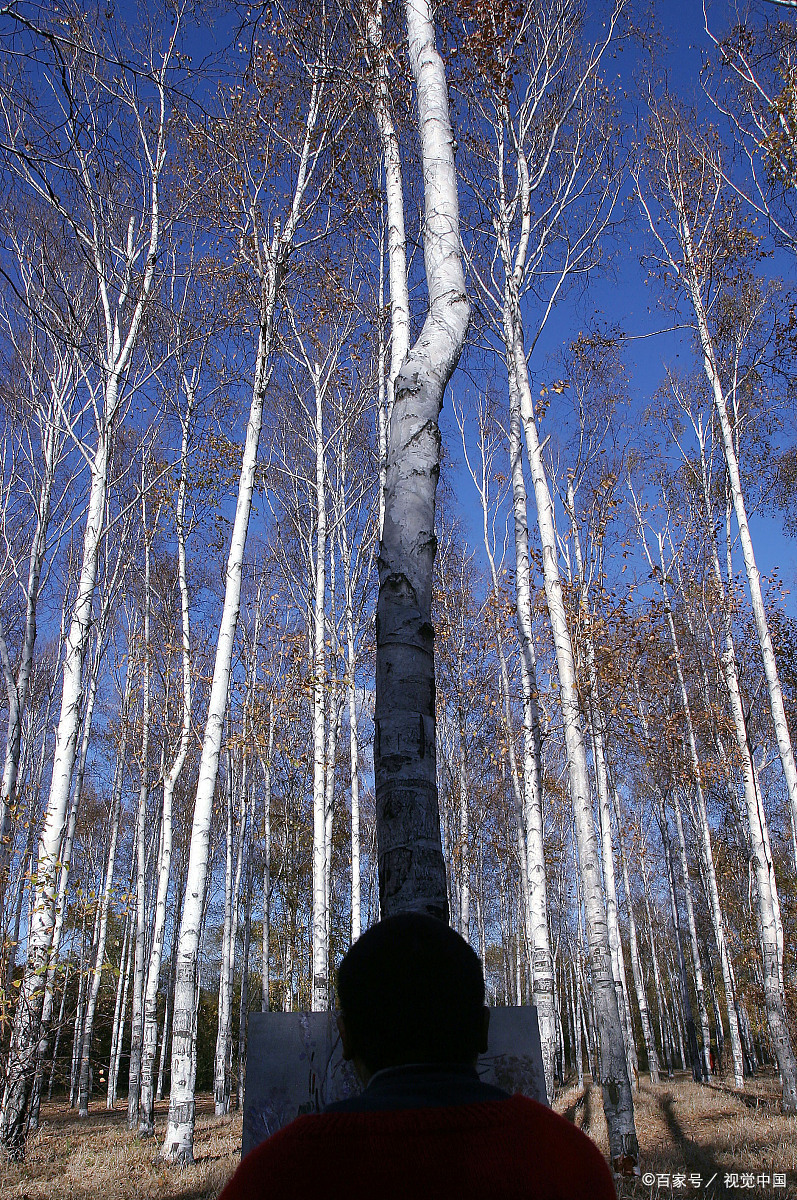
(636, 967)
(96, 974)
(411, 868)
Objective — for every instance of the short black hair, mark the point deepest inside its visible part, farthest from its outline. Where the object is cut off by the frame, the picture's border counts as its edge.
(412, 991)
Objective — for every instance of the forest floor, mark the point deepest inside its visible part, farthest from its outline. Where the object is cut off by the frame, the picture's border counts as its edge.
(685, 1132)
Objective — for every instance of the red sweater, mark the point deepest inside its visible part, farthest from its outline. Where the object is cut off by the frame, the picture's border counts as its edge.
(513, 1149)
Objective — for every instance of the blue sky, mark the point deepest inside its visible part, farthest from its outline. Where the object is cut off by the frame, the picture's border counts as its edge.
(621, 297)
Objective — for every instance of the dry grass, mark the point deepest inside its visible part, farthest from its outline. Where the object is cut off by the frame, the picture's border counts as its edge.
(683, 1128)
(686, 1128)
(98, 1159)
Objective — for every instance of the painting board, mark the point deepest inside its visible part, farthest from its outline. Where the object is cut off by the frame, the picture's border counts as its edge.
(295, 1065)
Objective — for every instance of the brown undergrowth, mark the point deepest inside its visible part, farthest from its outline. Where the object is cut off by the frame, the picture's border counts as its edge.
(684, 1130)
(706, 1131)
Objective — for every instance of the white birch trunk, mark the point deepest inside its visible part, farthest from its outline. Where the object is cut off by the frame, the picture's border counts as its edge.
(271, 258)
(65, 855)
(59, 1025)
(597, 728)
(121, 341)
(753, 576)
(113, 1079)
(394, 200)
(528, 804)
(636, 966)
(756, 819)
(117, 1014)
(243, 1008)
(411, 868)
(265, 957)
(697, 967)
(319, 1001)
(220, 1062)
(239, 861)
(147, 1124)
(137, 1018)
(686, 1003)
(333, 734)
(17, 686)
(616, 1086)
(354, 746)
(96, 974)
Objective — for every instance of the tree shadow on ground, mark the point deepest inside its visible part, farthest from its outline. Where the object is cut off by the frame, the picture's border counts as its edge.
(693, 1158)
(749, 1099)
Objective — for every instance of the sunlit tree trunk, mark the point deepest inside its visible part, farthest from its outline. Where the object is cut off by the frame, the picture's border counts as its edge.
(265, 957)
(268, 260)
(320, 982)
(615, 1082)
(636, 965)
(121, 336)
(220, 1063)
(597, 729)
(139, 965)
(147, 1125)
(696, 963)
(63, 882)
(686, 1003)
(99, 960)
(528, 800)
(411, 868)
(17, 684)
(117, 1012)
(243, 1008)
(354, 744)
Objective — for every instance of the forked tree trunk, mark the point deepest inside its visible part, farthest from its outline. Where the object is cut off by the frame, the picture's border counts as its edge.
(411, 868)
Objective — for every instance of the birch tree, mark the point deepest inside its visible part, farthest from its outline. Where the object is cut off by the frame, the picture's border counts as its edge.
(49, 371)
(691, 221)
(527, 791)
(265, 231)
(64, 170)
(411, 868)
(535, 160)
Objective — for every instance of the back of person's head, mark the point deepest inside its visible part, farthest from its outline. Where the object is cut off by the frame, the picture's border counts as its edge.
(412, 991)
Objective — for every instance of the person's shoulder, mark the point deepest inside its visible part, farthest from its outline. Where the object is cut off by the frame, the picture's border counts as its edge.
(571, 1154)
(546, 1121)
(273, 1160)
